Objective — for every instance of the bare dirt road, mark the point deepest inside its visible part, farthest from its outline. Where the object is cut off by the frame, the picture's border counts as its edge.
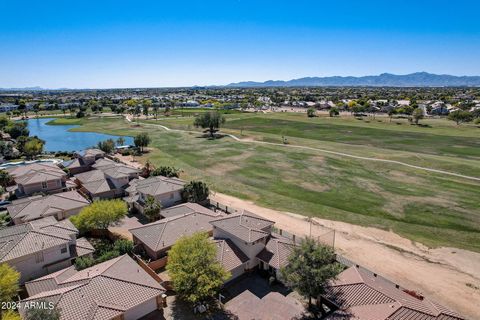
(447, 275)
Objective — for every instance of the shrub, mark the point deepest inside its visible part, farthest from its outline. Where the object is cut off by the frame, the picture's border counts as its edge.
(123, 246)
(84, 262)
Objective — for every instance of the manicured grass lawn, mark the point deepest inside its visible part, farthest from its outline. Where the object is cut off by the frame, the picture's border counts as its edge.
(66, 121)
(433, 209)
(387, 137)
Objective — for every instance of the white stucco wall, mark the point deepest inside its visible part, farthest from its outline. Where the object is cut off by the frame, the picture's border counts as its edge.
(238, 271)
(169, 199)
(141, 309)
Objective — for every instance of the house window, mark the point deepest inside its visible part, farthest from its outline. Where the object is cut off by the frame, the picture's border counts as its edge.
(39, 257)
(63, 249)
(44, 184)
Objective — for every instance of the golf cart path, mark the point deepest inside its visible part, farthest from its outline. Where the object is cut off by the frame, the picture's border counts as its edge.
(342, 154)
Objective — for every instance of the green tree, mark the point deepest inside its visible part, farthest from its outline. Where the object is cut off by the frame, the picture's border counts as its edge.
(43, 313)
(120, 141)
(123, 246)
(10, 315)
(137, 111)
(195, 191)
(17, 129)
(211, 120)
(155, 110)
(5, 178)
(141, 140)
(311, 112)
(147, 104)
(33, 147)
(334, 112)
(94, 105)
(100, 214)
(391, 113)
(4, 122)
(460, 116)
(310, 267)
(193, 268)
(7, 151)
(169, 172)
(22, 106)
(84, 262)
(107, 146)
(9, 286)
(152, 208)
(417, 115)
(358, 108)
(107, 255)
(36, 109)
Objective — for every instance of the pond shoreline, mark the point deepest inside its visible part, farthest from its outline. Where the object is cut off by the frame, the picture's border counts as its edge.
(59, 137)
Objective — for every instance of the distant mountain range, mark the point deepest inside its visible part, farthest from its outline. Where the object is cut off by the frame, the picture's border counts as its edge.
(418, 79)
(23, 89)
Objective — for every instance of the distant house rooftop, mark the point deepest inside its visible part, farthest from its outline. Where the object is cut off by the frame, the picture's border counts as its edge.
(36, 207)
(90, 153)
(155, 185)
(246, 226)
(36, 173)
(183, 209)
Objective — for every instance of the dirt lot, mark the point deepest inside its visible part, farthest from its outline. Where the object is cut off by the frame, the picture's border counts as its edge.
(449, 276)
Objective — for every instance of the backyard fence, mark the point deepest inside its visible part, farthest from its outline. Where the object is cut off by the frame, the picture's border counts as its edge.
(217, 206)
(321, 234)
(147, 268)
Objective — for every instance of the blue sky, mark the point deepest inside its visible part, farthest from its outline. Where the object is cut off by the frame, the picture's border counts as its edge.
(105, 44)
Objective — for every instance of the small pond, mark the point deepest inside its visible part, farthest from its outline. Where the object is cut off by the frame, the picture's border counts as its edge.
(58, 138)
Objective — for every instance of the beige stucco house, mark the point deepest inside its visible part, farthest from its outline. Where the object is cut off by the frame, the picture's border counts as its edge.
(107, 180)
(41, 247)
(168, 191)
(39, 177)
(59, 205)
(83, 160)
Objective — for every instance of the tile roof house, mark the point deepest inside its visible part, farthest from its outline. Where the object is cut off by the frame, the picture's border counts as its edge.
(168, 191)
(276, 253)
(361, 295)
(107, 180)
(231, 257)
(115, 289)
(41, 246)
(83, 160)
(60, 205)
(157, 237)
(247, 231)
(39, 178)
